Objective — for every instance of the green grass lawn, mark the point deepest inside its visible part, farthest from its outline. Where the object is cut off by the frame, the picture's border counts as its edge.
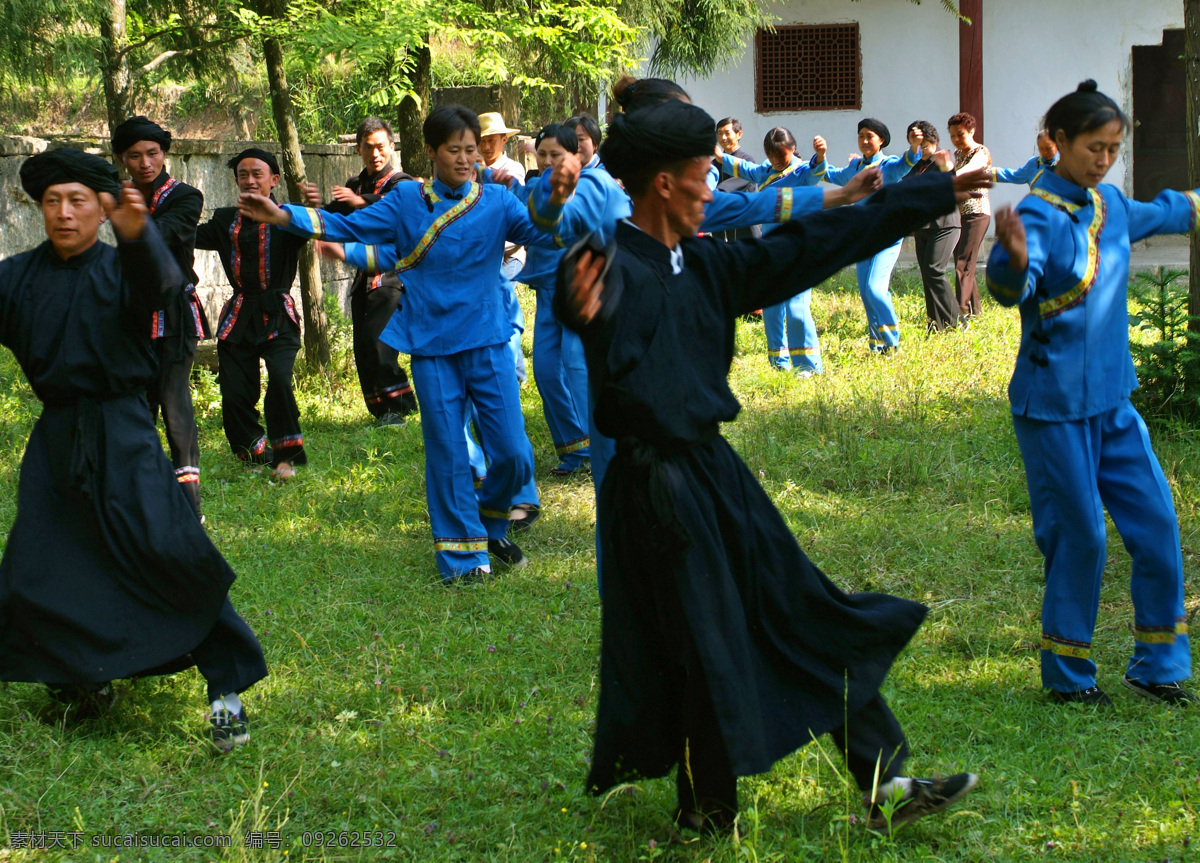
(460, 720)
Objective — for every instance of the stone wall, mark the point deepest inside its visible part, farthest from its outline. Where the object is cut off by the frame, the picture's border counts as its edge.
(199, 163)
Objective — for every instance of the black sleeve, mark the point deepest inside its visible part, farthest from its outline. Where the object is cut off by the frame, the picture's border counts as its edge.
(150, 272)
(208, 235)
(178, 219)
(610, 297)
(804, 252)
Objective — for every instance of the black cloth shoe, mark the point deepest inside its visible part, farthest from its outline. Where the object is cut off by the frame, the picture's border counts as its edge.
(229, 729)
(391, 418)
(1091, 695)
(507, 552)
(924, 797)
(478, 575)
(520, 525)
(1165, 693)
(715, 823)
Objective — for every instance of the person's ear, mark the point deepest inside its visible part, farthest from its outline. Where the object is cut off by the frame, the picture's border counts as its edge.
(664, 184)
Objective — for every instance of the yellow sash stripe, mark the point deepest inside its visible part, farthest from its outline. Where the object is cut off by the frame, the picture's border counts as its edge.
(1066, 649)
(439, 224)
(1057, 201)
(779, 175)
(1059, 304)
(1194, 200)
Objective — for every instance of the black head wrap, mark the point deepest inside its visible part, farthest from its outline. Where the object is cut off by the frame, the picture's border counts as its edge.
(136, 129)
(68, 165)
(254, 153)
(656, 135)
(877, 127)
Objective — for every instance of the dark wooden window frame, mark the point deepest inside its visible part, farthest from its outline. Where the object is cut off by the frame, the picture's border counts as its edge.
(808, 67)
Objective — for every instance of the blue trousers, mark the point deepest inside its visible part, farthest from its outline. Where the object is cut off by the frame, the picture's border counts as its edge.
(874, 276)
(560, 371)
(527, 494)
(517, 316)
(791, 334)
(1075, 470)
(462, 522)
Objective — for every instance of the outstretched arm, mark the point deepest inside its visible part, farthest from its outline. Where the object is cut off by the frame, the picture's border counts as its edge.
(1169, 213)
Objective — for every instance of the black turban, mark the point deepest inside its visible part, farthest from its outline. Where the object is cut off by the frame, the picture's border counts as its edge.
(136, 129)
(255, 153)
(68, 165)
(878, 128)
(667, 132)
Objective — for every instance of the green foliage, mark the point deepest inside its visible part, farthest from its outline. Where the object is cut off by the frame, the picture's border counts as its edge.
(1166, 352)
(461, 720)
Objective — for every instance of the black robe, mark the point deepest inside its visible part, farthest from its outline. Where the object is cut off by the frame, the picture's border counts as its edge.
(107, 573)
(693, 550)
(175, 207)
(728, 183)
(371, 188)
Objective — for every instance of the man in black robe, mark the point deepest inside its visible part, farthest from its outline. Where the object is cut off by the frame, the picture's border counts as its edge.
(374, 298)
(729, 136)
(723, 648)
(142, 146)
(259, 321)
(107, 573)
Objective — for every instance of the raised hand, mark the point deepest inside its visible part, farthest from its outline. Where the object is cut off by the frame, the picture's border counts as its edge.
(943, 160)
(260, 208)
(312, 195)
(1010, 234)
(332, 251)
(563, 179)
(503, 176)
(347, 196)
(129, 216)
(586, 287)
(819, 147)
(971, 184)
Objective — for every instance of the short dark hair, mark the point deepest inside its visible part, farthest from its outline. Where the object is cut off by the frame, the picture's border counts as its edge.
(778, 140)
(730, 121)
(962, 118)
(369, 127)
(564, 134)
(589, 124)
(927, 129)
(445, 122)
(1085, 110)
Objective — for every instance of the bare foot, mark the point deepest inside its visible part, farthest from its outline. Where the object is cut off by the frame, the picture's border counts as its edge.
(283, 470)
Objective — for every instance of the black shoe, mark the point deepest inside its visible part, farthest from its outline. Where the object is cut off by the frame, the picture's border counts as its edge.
(522, 524)
(715, 823)
(562, 471)
(924, 797)
(507, 552)
(391, 418)
(84, 701)
(229, 729)
(1165, 693)
(1091, 695)
(478, 575)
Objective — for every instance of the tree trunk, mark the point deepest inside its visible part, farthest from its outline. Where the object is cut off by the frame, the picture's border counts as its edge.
(1191, 23)
(411, 115)
(316, 325)
(114, 66)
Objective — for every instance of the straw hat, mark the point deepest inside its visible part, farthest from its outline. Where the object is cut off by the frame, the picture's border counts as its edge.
(491, 123)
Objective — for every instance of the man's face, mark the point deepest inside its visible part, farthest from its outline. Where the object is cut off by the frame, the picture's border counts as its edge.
(73, 214)
(143, 162)
(376, 151)
(587, 147)
(454, 160)
(491, 147)
(688, 193)
(254, 175)
(728, 138)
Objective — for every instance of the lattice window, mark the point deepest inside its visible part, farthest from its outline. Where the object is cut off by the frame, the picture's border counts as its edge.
(808, 67)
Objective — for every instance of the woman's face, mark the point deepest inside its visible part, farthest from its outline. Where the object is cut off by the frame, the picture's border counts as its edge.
(1086, 158)
(869, 143)
(550, 154)
(962, 138)
(781, 158)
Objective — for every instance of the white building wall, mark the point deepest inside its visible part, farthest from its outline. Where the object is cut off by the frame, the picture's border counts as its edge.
(1033, 52)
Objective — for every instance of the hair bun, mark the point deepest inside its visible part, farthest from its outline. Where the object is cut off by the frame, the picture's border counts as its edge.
(623, 89)
(1088, 86)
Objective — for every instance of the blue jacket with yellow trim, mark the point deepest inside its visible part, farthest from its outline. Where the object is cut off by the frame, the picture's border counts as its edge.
(454, 299)
(1023, 174)
(894, 168)
(763, 174)
(1074, 359)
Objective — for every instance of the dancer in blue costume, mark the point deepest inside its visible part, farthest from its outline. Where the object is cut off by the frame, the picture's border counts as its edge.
(875, 273)
(1047, 157)
(789, 322)
(1063, 259)
(446, 238)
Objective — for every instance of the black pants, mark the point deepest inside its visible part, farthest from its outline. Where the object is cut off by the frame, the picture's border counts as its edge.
(229, 657)
(974, 229)
(240, 388)
(935, 250)
(171, 392)
(385, 386)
